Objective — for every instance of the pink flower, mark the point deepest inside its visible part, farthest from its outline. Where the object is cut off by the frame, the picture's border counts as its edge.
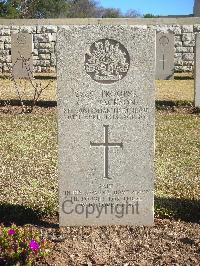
(33, 245)
(11, 232)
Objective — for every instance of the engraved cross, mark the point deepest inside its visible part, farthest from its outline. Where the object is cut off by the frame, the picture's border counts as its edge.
(106, 146)
(163, 60)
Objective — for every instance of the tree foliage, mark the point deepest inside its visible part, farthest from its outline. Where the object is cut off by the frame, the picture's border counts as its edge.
(59, 9)
(83, 9)
(149, 15)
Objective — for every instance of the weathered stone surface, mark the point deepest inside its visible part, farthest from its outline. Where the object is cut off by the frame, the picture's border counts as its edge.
(188, 37)
(5, 39)
(1, 46)
(189, 63)
(178, 55)
(43, 37)
(28, 29)
(164, 56)
(53, 60)
(187, 28)
(139, 27)
(44, 51)
(37, 69)
(43, 45)
(106, 125)
(197, 28)
(178, 44)
(178, 38)
(44, 56)
(178, 62)
(188, 57)
(47, 29)
(4, 52)
(35, 52)
(4, 32)
(175, 29)
(184, 49)
(22, 60)
(53, 37)
(43, 63)
(189, 43)
(7, 67)
(7, 46)
(197, 71)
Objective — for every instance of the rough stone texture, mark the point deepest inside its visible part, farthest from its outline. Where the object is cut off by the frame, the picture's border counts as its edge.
(106, 124)
(45, 37)
(165, 56)
(197, 71)
(22, 58)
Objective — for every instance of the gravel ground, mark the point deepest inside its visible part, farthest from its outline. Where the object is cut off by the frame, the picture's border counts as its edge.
(168, 242)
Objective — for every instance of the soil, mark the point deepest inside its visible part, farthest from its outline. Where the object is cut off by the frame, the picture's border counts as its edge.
(168, 242)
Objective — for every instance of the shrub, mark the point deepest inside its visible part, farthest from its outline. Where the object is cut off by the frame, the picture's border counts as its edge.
(21, 246)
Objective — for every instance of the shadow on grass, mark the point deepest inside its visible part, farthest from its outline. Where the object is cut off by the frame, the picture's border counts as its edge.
(13, 102)
(7, 76)
(172, 208)
(45, 77)
(181, 209)
(160, 104)
(183, 77)
(21, 215)
(188, 106)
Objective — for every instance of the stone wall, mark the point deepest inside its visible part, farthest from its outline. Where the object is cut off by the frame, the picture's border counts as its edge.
(44, 38)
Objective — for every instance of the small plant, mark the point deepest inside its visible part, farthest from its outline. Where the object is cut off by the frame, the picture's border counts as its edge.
(23, 86)
(21, 246)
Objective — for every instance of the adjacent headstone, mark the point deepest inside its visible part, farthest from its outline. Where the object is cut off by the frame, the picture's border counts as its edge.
(197, 71)
(164, 56)
(106, 125)
(22, 58)
(196, 9)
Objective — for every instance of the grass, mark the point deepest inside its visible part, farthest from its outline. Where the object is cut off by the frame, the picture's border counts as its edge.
(8, 90)
(179, 89)
(177, 165)
(28, 154)
(28, 158)
(175, 90)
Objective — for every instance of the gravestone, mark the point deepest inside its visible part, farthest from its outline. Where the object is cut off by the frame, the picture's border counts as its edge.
(197, 71)
(21, 52)
(164, 56)
(196, 8)
(106, 125)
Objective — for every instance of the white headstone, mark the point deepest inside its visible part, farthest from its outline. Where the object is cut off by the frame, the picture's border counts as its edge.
(197, 71)
(106, 125)
(164, 56)
(21, 52)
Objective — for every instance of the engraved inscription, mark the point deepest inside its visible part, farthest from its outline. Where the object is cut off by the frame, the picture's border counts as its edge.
(163, 60)
(164, 41)
(21, 39)
(108, 61)
(109, 105)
